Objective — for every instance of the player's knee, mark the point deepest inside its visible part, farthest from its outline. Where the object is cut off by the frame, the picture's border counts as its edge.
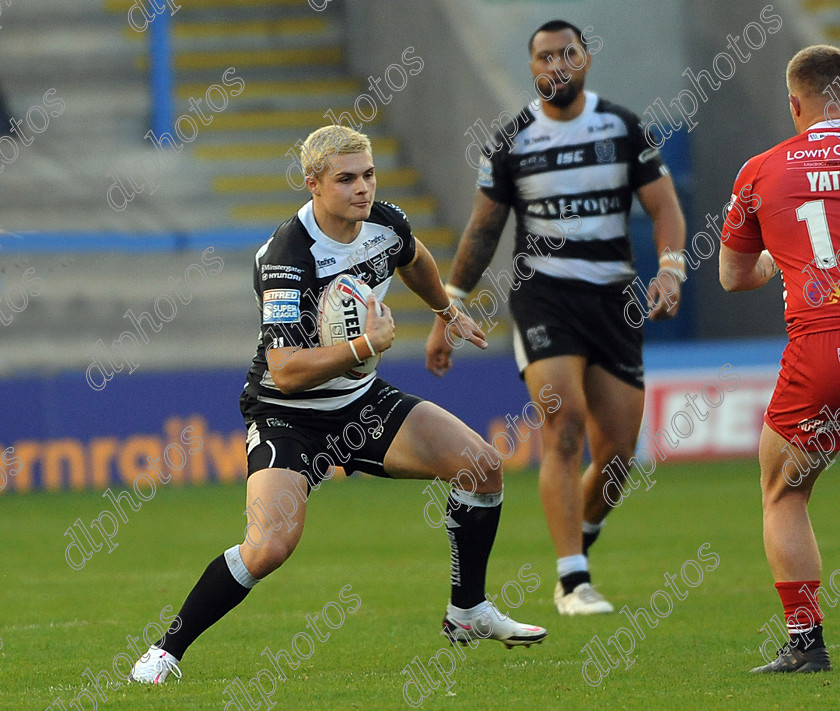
(614, 464)
(266, 558)
(481, 469)
(265, 563)
(490, 479)
(564, 434)
(777, 490)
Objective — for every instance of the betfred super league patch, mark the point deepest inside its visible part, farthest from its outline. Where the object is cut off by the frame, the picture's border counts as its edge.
(281, 306)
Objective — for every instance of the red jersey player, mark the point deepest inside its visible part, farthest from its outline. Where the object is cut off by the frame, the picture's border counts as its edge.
(785, 211)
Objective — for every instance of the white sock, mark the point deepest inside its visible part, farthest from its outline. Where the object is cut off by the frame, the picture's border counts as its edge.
(469, 612)
(480, 500)
(572, 564)
(238, 569)
(592, 527)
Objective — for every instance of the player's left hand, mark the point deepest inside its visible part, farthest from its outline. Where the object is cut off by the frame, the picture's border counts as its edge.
(447, 336)
(438, 351)
(664, 295)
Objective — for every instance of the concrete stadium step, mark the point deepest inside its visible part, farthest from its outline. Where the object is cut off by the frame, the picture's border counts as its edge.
(437, 237)
(187, 6)
(257, 74)
(57, 12)
(278, 133)
(84, 120)
(239, 151)
(833, 29)
(233, 157)
(290, 37)
(143, 215)
(308, 57)
(85, 100)
(398, 287)
(248, 28)
(818, 5)
(297, 89)
(267, 28)
(826, 13)
(39, 55)
(302, 120)
(283, 95)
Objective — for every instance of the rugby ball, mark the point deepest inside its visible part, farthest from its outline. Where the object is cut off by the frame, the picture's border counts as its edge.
(342, 315)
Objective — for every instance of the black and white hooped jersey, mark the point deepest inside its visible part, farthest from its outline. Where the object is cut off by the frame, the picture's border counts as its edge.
(292, 269)
(571, 184)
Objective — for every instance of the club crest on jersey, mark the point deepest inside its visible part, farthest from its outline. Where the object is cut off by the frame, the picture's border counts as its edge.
(538, 337)
(379, 263)
(281, 306)
(605, 151)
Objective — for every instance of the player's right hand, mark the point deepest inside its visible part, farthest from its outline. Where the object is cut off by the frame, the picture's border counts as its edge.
(380, 329)
(463, 328)
(664, 296)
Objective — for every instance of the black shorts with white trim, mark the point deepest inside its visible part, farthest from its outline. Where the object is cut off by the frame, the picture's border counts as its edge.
(311, 442)
(556, 317)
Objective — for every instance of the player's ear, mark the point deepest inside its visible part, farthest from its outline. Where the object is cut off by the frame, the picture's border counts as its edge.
(795, 105)
(587, 59)
(313, 185)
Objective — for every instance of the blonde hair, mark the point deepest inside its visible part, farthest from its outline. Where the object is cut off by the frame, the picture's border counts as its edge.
(813, 69)
(329, 141)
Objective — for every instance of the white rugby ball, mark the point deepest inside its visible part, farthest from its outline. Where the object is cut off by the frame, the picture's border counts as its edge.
(342, 316)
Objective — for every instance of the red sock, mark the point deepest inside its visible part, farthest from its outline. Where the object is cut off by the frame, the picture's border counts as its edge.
(802, 610)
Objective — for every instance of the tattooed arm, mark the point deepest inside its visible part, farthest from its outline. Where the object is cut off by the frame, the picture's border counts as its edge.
(475, 250)
(479, 241)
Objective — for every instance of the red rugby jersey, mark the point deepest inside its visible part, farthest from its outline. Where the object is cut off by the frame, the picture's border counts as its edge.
(787, 200)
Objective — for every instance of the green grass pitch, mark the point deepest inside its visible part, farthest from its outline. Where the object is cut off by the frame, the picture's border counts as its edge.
(55, 622)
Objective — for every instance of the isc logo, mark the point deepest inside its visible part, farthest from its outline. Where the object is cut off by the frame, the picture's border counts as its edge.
(570, 157)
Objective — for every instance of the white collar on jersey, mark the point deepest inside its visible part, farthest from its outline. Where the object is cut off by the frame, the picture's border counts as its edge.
(830, 125)
(306, 215)
(588, 110)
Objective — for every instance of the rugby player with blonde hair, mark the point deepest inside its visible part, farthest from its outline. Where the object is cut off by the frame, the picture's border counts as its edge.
(298, 402)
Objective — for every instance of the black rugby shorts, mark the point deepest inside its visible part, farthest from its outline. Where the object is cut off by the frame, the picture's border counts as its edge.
(356, 436)
(555, 319)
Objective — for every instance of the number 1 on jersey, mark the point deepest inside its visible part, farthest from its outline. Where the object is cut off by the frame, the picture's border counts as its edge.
(813, 214)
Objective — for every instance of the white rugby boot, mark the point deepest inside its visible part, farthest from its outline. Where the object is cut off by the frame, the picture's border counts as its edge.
(485, 621)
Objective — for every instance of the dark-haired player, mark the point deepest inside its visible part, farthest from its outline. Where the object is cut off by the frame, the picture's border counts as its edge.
(785, 211)
(297, 403)
(570, 178)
